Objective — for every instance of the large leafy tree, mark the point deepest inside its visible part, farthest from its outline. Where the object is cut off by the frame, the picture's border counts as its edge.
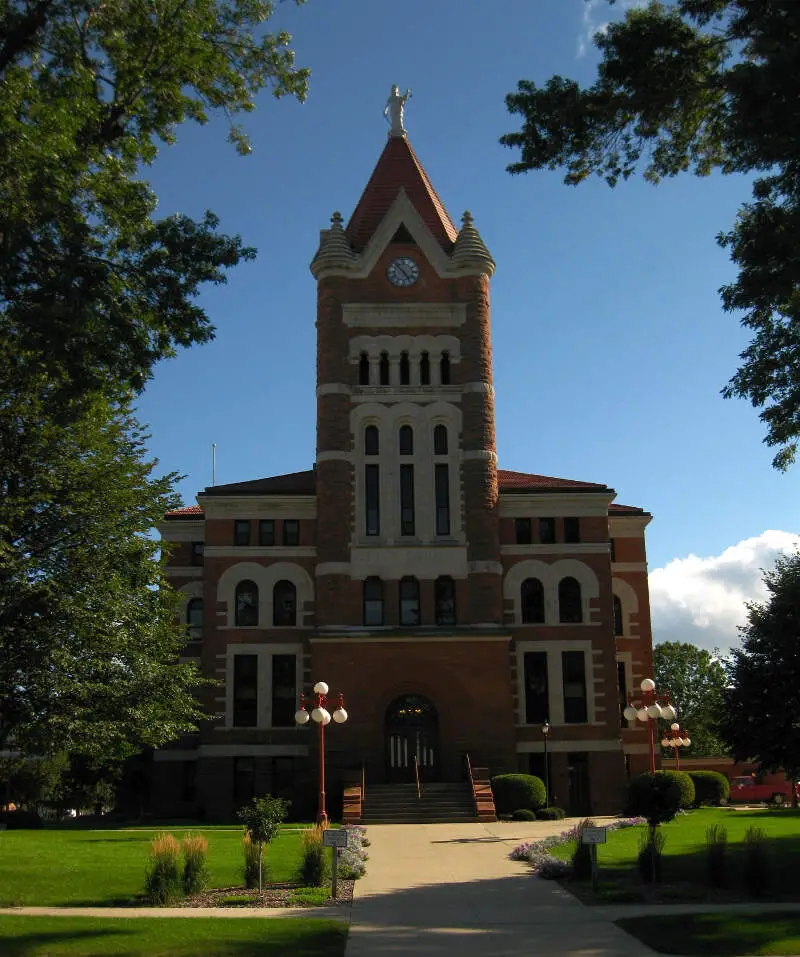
(760, 719)
(699, 85)
(696, 682)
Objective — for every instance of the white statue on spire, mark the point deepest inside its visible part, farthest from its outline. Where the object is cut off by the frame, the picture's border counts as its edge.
(393, 111)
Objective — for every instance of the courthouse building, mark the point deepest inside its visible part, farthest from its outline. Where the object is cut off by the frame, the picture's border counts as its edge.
(456, 605)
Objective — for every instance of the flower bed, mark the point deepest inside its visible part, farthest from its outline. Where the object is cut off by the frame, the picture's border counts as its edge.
(537, 853)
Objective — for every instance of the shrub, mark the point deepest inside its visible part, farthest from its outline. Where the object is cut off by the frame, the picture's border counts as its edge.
(685, 783)
(651, 846)
(756, 861)
(716, 849)
(656, 797)
(550, 814)
(250, 862)
(195, 871)
(553, 868)
(17, 820)
(710, 787)
(353, 858)
(512, 791)
(162, 881)
(582, 855)
(314, 866)
(523, 814)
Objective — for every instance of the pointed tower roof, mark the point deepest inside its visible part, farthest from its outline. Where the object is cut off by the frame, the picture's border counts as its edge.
(399, 168)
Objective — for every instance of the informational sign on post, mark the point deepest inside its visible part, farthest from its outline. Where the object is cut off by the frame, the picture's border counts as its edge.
(334, 839)
(593, 836)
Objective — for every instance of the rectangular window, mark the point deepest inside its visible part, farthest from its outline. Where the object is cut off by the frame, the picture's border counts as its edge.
(612, 549)
(189, 783)
(198, 548)
(406, 499)
(373, 499)
(573, 665)
(284, 690)
(537, 705)
(547, 531)
(291, 532)
(572, 529)
(245, 691)
(442, 477)
(244, 779)
(266, 531)
(241, 532)
(622, 685)
(523, 531)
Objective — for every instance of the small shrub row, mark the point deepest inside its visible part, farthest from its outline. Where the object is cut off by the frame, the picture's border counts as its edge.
(165, 881)
(513, 792)
(551, 814)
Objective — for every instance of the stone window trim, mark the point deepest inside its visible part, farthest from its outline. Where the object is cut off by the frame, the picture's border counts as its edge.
(629, 602)
(626, 658)
(264, 653)
(551, 574)
(555, 679)
(265, 577)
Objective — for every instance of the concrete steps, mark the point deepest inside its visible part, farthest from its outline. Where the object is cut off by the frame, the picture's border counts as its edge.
(440, 803)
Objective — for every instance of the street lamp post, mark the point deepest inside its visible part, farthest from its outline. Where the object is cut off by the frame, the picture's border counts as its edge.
(650, 707)
(546, 729)
(676, 739)
(322, 716)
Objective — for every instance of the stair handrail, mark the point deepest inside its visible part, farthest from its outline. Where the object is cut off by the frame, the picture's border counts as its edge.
(363, 784)
(416, 772)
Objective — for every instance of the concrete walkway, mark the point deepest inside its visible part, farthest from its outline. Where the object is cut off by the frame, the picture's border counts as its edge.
(442, 889)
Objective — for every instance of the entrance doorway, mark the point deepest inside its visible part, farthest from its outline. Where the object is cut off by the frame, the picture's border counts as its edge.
(580, 801)
(411, 732)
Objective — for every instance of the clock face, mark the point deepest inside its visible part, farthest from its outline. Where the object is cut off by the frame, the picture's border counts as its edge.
(403, 272)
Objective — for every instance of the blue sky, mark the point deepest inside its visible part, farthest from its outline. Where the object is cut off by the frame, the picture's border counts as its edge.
(610, 344)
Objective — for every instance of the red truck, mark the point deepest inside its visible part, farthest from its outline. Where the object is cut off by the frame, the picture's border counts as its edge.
(775, 792)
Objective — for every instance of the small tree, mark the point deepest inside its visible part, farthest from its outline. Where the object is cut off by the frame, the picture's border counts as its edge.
(262, 819)
(656, 797)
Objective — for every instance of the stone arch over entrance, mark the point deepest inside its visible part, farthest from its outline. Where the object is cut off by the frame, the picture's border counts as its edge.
(411, 732)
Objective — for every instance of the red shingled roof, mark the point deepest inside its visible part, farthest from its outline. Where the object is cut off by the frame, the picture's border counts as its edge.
(398, 168)
(524, 482)
(190, 511)
(626, 509)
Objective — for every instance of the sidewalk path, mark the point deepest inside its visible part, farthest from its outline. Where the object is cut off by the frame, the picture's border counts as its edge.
(442, 889)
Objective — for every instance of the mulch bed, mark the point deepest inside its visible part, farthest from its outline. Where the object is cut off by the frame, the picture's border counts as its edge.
(274, 895)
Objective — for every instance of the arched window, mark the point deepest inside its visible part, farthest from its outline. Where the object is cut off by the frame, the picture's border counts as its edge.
(246, 604)
(405, 369)
(424, 369)
(284, 604)
(409, 601)
(618, 624)
(383, 369)
(444, 368)
(194, 617)
(532, 602)
(371, 440)
(363, 369)
(373, 601)
(570, 610)
(445, 600)
(406, 440)
(440, 440)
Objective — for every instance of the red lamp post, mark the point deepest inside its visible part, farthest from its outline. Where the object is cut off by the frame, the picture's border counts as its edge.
(650, 707)
(675, 738)
(321, 716)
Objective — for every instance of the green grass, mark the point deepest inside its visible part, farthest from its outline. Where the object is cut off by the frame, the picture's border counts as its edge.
(171, 937)
(52, 867)
(718, 935)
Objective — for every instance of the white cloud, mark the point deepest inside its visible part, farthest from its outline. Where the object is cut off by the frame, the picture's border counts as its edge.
(596, 17)
(701, 600)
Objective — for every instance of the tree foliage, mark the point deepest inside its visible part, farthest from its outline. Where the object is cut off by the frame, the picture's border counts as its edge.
(759, 720)
(262, 819)
(699, 85)
(696, 682)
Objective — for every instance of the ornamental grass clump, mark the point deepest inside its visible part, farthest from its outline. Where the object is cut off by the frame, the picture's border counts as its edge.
(251, 856)
(195, 870)
(162, 881)
(717, 855)
(756, 861)
(651, 849)
(582, 855)
(314, 866)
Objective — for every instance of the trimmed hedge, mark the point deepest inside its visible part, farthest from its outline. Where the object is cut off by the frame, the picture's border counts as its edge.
(514, 791)
(551, 814)
(654, 796)
(524, 814)
(710, 787)
(686, 785)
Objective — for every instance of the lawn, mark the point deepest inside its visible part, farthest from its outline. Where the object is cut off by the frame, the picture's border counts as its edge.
(65, 866)
(171, 937)
(718, 935)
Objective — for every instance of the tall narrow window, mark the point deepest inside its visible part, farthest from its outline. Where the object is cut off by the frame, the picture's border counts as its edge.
(363, 369)
(291, 531)
(424, 369)
(547, 531)
(618, 623)
(373, 601)
(241, 532)
(444, 368)
(194, 618)
(442, 478)
(523, 531)
(266, 531)
(406, 440)
(445, 600)
(573, 666)
(284, 604)
(572, 529)
(537, 703)
(570, 610)
(405, 369)
(622, 688)
(245, 691)
(372, 491)
(371, 440)
(409, 601)
(198, 549)
(532, 602)
(284, 690)
(406, 499)
(440, 440)
(246, 604)
(244, 779)
(383, 369)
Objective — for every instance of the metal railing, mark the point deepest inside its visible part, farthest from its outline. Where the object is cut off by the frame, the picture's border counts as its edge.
(416, 774)
(363, 783)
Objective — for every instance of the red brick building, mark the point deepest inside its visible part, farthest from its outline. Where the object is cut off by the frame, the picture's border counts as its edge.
(457, 606)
